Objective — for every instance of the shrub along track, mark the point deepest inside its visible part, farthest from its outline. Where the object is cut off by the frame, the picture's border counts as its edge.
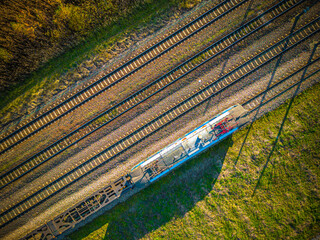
(115, 76)
(122, 186)
(137, 98)
(179, 108)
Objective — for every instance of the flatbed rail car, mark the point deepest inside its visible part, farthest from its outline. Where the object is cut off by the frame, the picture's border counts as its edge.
(146, 172)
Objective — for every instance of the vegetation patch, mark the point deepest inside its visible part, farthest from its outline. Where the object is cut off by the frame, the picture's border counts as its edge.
(257, 194)
(68, 52)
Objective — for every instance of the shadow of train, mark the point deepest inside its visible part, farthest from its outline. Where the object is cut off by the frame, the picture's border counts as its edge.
(171, 197)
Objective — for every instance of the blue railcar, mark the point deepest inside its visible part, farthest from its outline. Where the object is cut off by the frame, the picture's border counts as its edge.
(185, 148)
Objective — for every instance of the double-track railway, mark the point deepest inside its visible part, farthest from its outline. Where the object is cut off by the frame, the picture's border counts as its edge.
(173, 112)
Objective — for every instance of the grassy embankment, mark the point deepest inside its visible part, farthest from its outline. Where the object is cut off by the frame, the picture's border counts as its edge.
(216, 195)
(48, 78)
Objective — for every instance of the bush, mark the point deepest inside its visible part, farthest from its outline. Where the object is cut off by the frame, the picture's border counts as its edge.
(35, 31)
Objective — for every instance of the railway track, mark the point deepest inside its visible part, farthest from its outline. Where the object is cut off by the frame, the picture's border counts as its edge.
(115, 190)
(145, 93)
(134, 136)
(280, 87)
(27, 129)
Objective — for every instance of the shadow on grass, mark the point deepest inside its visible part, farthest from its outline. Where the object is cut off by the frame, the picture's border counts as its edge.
(170, 198)
(284, 120)
(270, 81)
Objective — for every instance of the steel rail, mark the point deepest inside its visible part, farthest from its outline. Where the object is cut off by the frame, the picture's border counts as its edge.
(158, 122)
(174, 75)
(287, 88)
(121, 73)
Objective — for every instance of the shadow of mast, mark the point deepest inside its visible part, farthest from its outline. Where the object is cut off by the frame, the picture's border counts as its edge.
(270, 81)
(225, 62)
(284, 119)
